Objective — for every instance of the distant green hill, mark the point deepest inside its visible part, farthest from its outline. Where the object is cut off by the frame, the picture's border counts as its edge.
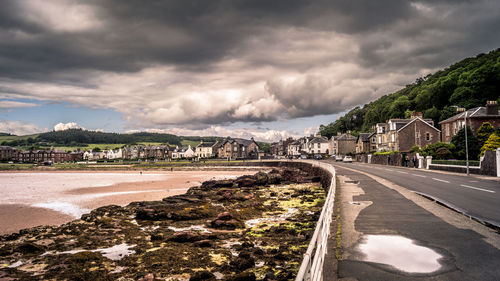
(468, 83)
(80, 138)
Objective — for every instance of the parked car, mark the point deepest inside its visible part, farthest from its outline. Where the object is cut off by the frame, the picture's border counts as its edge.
(303, 156)
(318, 157)
(348, 159)
(338, 158)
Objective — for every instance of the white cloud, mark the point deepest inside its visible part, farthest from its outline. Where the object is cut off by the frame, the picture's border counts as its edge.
(219, 131)
(66, 126)
(6, 104)
(20, 128)
(60, 15)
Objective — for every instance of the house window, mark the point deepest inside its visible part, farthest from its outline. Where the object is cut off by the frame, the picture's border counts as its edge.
(379, 139)
(318, 145)
(447, 129)
(427, 136)
(392, 138)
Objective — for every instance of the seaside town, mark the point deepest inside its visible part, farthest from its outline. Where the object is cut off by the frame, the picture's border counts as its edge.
(395, 135)
(249, 140)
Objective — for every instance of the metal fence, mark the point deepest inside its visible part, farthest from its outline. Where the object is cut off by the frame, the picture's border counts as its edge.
(312, 264)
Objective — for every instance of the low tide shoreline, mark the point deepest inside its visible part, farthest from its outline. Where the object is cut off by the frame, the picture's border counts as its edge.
(14, 217)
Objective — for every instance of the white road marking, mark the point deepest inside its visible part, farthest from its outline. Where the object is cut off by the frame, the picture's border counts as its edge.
(440, 180)
(402, 172)
(477, 188)
(422, 176)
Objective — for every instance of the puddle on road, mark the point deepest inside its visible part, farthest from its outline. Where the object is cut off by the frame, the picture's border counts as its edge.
(399, 252)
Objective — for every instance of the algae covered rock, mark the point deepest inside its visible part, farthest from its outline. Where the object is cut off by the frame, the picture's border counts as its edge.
(250, 228)
(202, 275)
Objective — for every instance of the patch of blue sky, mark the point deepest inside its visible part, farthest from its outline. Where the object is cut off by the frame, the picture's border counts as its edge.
(48, 114)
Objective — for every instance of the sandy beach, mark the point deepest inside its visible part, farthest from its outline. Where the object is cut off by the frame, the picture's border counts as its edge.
(52, 198)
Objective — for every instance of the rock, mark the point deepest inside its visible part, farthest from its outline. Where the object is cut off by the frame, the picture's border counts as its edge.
(243, 276)
(269, 275)
(203, 243)
(202, 275)
(242, 262)
(246, 181)
(30, 249)
(228, 225)
(261, 178)
(224, 216)
(185, 236)
(148, 277)
(228, 195)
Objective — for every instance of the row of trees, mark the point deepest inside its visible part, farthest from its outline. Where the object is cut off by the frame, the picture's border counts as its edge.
(468, 83)
(79, 136)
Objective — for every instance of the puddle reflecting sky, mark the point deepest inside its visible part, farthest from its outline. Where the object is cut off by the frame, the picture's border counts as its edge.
(399, 252)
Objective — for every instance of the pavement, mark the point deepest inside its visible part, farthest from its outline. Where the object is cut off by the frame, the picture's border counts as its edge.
(373, 207)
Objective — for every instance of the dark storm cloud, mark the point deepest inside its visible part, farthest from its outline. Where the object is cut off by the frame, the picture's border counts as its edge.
(275, 59)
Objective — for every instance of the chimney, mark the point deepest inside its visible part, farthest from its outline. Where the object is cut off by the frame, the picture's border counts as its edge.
(460, 109)
(415, 114)
(338, 133)
(491, 107)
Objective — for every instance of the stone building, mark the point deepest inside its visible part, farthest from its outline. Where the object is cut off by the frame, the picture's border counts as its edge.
(366, 142)
(7, 153)
(402, 134)
(341, 144)
(475, 118)
(238, 148)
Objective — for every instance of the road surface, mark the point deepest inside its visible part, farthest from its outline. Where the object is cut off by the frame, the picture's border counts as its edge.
(476, 197)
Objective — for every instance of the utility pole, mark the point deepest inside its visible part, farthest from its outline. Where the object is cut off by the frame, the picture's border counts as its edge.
(466, 145)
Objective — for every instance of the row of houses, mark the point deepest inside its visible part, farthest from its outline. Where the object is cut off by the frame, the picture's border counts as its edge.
(8, 153)
(228, 148)
(393, 135)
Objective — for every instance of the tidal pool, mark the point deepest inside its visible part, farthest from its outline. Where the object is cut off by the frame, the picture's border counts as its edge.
(399, 252)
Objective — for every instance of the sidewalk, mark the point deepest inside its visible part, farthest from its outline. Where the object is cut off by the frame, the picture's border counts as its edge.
(380, 221)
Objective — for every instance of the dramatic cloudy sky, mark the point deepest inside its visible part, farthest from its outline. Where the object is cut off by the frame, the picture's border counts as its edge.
(267, 69)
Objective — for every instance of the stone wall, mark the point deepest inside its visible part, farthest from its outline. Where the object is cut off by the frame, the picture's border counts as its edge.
(488, 166)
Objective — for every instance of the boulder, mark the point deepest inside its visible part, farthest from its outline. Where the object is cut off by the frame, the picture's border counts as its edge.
(202, 275)
(185, 236)
(246, 181)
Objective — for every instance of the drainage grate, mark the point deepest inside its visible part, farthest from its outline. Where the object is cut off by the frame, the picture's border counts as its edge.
(354, 182)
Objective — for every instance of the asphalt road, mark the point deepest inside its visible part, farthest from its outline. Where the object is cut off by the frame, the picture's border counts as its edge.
(475, 197)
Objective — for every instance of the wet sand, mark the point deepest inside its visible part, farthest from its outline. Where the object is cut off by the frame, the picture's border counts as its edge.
(14, 217)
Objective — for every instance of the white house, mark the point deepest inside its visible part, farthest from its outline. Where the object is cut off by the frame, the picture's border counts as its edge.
(294, 148)
(114, 153)
(183, 152)
(317, 145)
(205, 150)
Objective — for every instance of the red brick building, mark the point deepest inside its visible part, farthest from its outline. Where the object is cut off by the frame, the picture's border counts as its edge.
(475, 118)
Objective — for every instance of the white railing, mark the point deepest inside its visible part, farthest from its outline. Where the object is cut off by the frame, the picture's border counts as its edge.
(312, 265)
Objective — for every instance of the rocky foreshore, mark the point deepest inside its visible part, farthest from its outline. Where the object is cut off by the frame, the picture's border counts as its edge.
(251, 228)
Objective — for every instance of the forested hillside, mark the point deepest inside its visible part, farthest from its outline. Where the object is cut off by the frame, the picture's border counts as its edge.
(468, 83)
(77, 137)
(84, 136)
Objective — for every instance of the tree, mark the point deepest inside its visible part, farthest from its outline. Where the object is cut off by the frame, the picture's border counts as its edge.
(492, 143)
(438, 150)
(484, 132)
(473, 144)
(399, 106)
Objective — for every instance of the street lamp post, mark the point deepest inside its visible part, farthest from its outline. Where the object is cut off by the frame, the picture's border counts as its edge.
(466, 145)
